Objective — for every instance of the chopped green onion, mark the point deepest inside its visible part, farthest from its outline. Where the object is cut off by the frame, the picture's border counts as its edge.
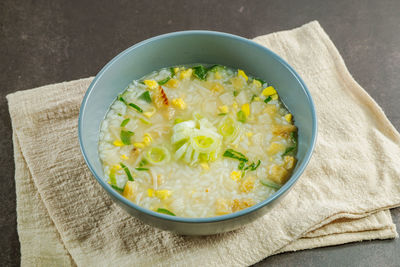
(235, 93)
(253, 166)
(291, 149)
(200, 72)
(230, 153)
(119, 189)
(162, 82)
(136, 107)
(172, 72)
(267, 99)
(142, 169)
(178, 120)
(146, 97)
(125, 122)
(126, 137)
(241, 116)
(222, 114)
(128, 173)
(270, 184)
(143, 162)
(215, 68)
(119, 114)
(158, 155)
(241, 165)
(142, 82)
(252, 98)
(120, 98)
(288, 150)
(165, 211)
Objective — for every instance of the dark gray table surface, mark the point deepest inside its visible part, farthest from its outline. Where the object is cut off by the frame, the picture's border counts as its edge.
(44, 42)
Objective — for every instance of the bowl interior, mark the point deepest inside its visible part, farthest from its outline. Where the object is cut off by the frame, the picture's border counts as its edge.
(188, 48)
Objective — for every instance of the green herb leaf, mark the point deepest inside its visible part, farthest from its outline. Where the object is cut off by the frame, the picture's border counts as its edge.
(145, 96)
(126, 137)
(241, 116)
(222, 114)
(235, 93)
(142, 169)
(200, 72)
(267, 99)
(270, 184)
(128, 173)
(162, 82)
(165, 211)
(125, 122)
(172, 72)
(119, 189)
(136, 107)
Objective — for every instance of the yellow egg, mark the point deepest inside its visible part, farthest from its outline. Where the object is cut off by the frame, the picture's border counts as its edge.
(138, 145)
(236, 175)
(163, 194)
(151, 84)
(246, 109)
(288, 117)
(129, 191)
(185, 74)
(173, 83)
(123, 156)
(205, 166)
(179, 103)
(269, 91)
(223, 109)
(257, 83)
(150, 192)
(118, 143)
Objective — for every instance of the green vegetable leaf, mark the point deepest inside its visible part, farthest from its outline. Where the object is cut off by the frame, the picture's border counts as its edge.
(142, 169)
(126, 137)
(241, 165)
(162, 82)
(241, 116)
(235, 93)
(128, 173)
(125, 122)
(146, 97)
(200, 72)
(252, 98)
(172, 72)
(267, 99)
(270, 184)
(119, 189)
(165, 211)
(222, 114)
(138, 109)
(119, 114)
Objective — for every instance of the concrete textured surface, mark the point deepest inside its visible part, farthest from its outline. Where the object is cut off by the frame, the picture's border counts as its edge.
(44, 42)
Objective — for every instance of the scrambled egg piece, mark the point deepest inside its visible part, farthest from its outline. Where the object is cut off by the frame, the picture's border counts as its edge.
(288, 117)
(118, 143)
(151, 84)
(129, 191)
(283, 130)
(162, 194)
(246, 109)
(223, 109)
(289, 162)
(243, 74)
(275, 148)
(236, 175)
(247, 185)
(269, 91)
(179, 103)
(147, 139)
(150, 192)
(241, 204)
(185, 74)
(123, 156)
(173, 83)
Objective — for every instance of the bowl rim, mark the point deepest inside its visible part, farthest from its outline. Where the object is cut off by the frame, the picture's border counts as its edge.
(293, 179)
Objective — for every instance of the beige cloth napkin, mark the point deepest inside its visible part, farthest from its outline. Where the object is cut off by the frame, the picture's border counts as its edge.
(65, 218)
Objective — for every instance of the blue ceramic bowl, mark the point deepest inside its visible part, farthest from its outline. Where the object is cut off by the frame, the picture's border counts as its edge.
(189, 47)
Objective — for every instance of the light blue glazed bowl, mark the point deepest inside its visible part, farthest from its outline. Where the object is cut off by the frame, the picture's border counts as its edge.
(190, 47)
